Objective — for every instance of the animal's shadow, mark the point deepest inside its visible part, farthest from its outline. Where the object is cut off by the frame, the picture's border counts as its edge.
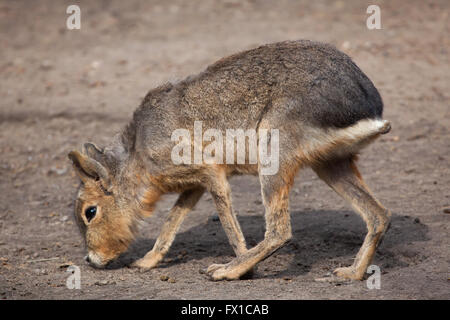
(331, 238)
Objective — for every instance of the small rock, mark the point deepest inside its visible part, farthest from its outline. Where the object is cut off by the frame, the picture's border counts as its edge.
(416, 220)
(57, 171)
(46, 65)
(164, 277)
(95, 64)
(40, 272)
(446, 210)
(97, 84)
(171, 280)
(346, 45)
(101, 283)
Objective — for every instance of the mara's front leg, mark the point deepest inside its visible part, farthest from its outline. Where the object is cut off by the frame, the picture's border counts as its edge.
(221, 194)
(186, 201)
(275, 192)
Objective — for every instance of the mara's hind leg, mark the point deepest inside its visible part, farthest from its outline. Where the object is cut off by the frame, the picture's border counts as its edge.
(344, 177)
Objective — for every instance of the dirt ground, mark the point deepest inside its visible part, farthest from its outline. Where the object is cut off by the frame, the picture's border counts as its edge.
(60, 88)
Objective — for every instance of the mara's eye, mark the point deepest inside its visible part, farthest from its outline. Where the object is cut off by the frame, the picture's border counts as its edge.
(90, 213)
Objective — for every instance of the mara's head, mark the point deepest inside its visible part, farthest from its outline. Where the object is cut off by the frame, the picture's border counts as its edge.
(103, 216)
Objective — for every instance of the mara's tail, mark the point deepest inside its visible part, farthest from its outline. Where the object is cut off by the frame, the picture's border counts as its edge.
(326, 144)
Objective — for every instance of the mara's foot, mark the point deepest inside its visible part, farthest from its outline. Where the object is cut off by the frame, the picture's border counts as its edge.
(146, 263)
(349, 273)
(227, 271)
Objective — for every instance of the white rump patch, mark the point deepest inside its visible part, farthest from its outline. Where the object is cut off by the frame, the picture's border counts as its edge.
(329, 143)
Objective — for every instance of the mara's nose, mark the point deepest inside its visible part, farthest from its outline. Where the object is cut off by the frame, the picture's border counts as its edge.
(86, 258)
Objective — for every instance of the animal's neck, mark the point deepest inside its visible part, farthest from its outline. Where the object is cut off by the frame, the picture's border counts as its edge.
(142, 187)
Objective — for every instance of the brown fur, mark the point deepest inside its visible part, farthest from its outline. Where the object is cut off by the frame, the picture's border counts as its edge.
(344, 177)
(325, 109)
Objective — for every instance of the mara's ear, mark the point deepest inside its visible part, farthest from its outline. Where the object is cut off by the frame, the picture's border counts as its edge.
(92, 151)
(89, 169)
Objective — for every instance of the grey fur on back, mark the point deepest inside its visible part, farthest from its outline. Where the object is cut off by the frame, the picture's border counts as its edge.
(308, 82)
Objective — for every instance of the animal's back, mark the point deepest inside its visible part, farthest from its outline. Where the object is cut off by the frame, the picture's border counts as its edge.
(309, 81)
(295, 85)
